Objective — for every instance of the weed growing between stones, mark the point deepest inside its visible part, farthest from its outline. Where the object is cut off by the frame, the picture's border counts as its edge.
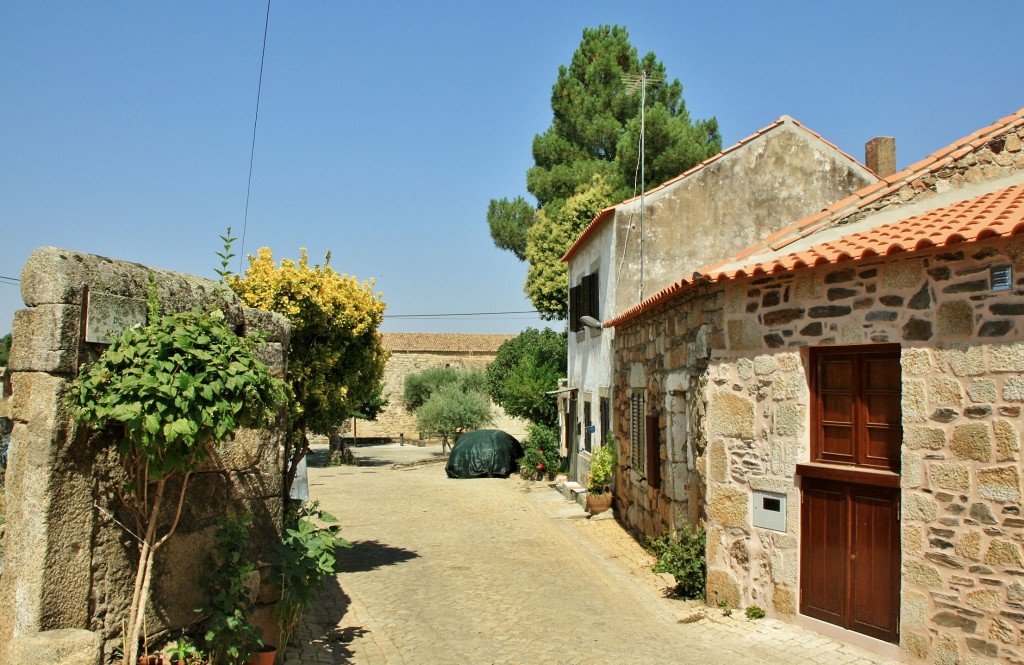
(681, 554)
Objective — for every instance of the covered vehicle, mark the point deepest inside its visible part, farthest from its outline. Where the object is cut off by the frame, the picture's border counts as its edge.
(484, 453)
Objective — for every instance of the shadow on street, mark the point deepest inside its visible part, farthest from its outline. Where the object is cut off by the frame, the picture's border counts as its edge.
(369, 555)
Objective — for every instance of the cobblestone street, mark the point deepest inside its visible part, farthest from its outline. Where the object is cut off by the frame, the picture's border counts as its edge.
(506, 571)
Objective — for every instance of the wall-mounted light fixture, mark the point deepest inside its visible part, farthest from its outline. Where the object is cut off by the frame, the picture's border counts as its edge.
(590, 322)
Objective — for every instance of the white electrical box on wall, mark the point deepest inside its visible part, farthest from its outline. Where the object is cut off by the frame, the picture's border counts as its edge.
(770, 510)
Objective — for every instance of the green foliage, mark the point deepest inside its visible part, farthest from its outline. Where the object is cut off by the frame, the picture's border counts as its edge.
(373, 405)
(230, 638)
(524, 370)
(595, 132)
(602, 468)
(451, 410)
(5, 349)
(596, 111)
(174, 386)
(681, 554)
(547, 241)
(754, 613)
(509, 221)
(225, 256)
(541, 449)
(183, 651)
(448, 401)
(303, 561)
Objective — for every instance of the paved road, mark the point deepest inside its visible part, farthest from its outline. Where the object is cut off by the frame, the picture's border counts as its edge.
(506, 571)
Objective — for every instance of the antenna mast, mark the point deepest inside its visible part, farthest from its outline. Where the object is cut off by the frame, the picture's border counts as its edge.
(632, 83)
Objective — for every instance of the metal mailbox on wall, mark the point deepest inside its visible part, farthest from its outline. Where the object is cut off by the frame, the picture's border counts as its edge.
(770, 510)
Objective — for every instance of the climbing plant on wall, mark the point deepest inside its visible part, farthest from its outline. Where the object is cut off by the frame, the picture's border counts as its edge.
(171, 390)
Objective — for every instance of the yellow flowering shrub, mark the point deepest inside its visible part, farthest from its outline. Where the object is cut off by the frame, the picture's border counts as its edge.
(335, 356)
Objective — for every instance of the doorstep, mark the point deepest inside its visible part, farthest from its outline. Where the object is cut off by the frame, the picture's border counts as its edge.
(573, 491)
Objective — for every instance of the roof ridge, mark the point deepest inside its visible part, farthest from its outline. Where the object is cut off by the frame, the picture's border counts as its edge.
(591, 228)
(889, 185)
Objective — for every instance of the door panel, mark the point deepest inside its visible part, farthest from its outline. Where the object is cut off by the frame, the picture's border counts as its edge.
(874, 562)
(822, 551)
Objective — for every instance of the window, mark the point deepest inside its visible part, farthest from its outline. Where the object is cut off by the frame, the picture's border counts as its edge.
(584, 300)
(606, 419)
(653, 432)
(588, 442)
(856, 410)
(637, 435)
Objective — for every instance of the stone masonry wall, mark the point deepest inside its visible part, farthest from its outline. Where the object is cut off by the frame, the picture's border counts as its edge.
(68, 562)
(963, 385)
(678, 334)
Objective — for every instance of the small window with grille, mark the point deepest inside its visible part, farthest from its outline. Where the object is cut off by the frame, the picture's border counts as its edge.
(588, 424)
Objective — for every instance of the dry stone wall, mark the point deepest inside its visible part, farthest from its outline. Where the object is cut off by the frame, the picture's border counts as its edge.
(962, 361)
(679, 334)
(69, 563)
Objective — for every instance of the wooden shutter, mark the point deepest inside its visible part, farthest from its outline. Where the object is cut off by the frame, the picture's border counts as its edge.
(574, 309)
(591, 297)
(857, 417)
(653, 452)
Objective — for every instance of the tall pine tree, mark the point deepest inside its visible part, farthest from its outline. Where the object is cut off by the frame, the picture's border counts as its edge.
(594, 137)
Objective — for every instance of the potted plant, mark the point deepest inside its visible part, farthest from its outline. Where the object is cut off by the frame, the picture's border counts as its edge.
(599, 480)
(170, 391)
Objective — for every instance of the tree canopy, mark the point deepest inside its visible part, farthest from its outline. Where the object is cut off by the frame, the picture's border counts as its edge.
(595, 136)
(550, 237)
(335, 355)
(5, 349)
(524, 370)
(448, 402)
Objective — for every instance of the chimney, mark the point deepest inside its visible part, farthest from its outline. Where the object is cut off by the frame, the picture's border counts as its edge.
(880, 155)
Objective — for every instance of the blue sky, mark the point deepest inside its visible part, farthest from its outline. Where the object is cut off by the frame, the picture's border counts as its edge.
(385, 128)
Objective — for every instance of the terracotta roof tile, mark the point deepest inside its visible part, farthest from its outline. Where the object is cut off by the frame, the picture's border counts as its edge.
(443, 342)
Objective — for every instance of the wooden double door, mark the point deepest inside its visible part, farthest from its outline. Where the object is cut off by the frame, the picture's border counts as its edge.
(850, 528)
(850, 556)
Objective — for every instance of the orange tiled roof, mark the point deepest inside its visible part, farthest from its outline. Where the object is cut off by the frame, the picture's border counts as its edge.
(976, 221)
(443, 342)
(610, 210)
(992, 215)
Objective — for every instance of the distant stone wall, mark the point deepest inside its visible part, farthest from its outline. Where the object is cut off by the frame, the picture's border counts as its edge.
(68, 562)
(395, 420)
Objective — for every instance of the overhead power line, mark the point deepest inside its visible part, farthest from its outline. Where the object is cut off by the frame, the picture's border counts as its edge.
(9, 280)
(436, 316)
(252, 149)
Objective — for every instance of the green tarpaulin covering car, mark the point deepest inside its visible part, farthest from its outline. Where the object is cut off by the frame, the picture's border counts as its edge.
(484, 453)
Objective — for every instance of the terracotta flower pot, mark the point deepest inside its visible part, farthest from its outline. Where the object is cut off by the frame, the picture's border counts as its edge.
(598, 503)
(265, 656)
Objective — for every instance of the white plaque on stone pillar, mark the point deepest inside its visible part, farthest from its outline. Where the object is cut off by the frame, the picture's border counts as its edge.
(107, 316)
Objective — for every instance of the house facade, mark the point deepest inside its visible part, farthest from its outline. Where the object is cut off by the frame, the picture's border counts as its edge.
(638, 247)
(849, 390)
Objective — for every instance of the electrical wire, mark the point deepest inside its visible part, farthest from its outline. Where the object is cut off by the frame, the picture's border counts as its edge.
(252, 149)
(456, 314)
